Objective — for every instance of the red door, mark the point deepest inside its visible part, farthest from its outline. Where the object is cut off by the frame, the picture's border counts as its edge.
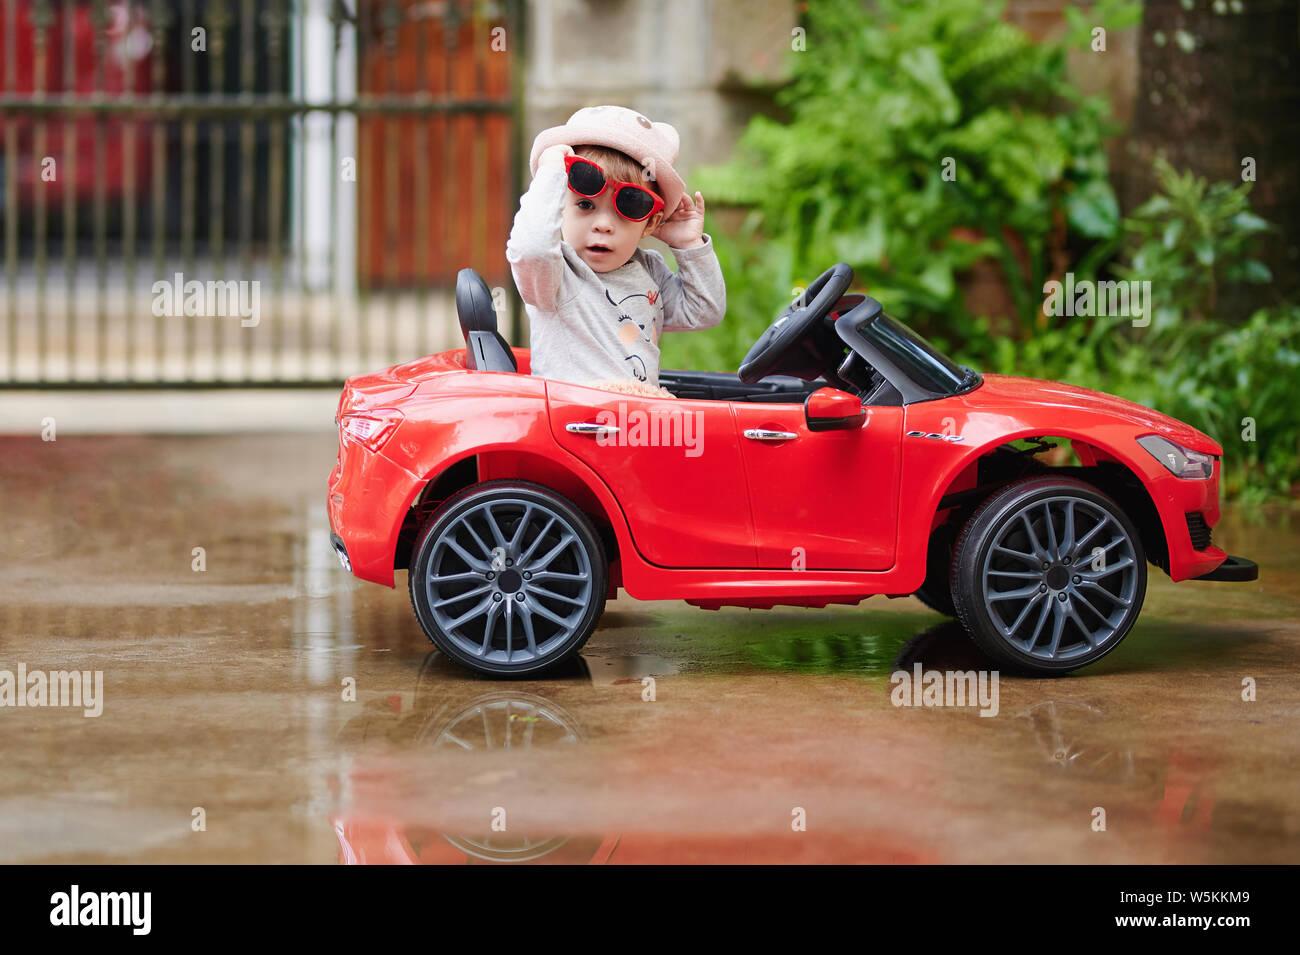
(673, 465)
(435, 188)
(821, 500)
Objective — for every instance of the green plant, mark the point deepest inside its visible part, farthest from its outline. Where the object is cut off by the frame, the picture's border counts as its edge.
(1190, 240)
(1238, 384)
(922, 137)
(1247, 396)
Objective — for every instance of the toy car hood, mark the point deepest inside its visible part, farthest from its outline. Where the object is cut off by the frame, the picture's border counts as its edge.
(1017, 391)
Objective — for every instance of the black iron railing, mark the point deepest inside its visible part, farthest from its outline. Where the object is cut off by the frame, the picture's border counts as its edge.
(223, 192)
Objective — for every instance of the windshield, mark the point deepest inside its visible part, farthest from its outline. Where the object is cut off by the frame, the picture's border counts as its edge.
(916, 369)
(925, 364)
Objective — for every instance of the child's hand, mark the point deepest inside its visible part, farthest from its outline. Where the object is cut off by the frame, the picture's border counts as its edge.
(553, 156)
(684, 227)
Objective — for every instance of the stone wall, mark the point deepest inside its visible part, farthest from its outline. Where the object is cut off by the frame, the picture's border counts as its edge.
(707, 66)
(701, 65)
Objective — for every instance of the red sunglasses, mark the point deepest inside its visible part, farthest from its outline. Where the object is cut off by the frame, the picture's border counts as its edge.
(634, 203)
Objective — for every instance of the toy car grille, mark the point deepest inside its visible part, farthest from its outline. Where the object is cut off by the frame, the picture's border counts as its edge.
(1199, 530)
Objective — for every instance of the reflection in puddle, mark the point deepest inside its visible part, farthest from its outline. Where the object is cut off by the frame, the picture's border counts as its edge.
(1060, 729)
(247, 660)
(1170, 789)
(1163, 790)
(507, 720)
(945, 646)
(451, 717)
(503, 719)
(452, 712)
(815, 642)
(616, 671)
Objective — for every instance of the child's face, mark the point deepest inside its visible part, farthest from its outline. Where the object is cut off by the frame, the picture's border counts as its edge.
(594, 222)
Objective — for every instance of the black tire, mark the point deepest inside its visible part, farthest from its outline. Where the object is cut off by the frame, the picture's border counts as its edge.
(936, 592)
(492, 612)
(1004, 601)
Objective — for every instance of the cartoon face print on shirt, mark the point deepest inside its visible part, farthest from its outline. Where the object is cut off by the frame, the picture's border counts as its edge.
(640, 315)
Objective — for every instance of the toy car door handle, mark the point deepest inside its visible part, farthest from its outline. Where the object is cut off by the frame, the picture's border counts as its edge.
(590, 427)
(762, 434)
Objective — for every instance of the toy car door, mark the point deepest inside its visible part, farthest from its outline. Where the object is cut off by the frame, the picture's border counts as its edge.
(673, 465)
(821, 500)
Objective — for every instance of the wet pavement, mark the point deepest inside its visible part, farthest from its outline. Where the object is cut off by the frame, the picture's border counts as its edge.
(228, 732)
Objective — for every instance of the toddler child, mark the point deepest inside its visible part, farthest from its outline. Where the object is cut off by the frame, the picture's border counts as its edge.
(597, 303)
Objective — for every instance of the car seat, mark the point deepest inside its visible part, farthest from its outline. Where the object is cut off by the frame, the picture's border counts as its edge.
(485, 348)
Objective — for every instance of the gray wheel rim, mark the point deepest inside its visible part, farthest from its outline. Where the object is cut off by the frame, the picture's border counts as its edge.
(1060, 578)
(512, 722)
(509, 581)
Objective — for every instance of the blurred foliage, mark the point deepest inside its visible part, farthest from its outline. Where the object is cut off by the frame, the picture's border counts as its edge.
(922, 137)
(1217, 378)
(888, 99)
(1191, 241)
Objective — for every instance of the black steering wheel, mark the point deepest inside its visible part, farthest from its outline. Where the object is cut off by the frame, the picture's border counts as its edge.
(786, 346)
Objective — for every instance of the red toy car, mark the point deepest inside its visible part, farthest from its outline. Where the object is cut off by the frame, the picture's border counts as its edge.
(846, 458)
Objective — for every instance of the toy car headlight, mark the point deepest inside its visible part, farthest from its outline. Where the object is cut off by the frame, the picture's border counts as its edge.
(1181, 462)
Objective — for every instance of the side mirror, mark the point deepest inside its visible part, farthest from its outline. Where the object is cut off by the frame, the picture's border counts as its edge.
(829, 409)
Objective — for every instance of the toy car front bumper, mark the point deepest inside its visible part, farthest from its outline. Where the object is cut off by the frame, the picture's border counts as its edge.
(1189, 510)
(1234, 568)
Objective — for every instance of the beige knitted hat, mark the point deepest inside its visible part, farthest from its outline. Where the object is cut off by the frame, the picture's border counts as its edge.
(653, 145)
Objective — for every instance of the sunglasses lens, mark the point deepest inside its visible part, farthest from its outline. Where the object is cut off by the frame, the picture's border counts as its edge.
(585, 179)
(634, 202)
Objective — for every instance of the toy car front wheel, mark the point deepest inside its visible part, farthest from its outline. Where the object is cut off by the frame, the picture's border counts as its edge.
(1048, 575)
(508, 578)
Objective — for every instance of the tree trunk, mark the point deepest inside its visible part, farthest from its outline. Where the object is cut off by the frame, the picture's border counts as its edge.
(1216, 88)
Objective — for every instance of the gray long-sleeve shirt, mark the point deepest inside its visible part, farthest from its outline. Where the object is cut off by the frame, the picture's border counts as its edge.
(589, 326)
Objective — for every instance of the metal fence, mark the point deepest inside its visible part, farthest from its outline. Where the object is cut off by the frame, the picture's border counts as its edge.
(223, 192)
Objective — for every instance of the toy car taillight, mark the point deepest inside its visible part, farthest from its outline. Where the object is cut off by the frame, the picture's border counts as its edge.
(372, 429)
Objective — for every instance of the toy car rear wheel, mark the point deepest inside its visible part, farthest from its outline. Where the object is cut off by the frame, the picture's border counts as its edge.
(1048, 575)
(508, 578)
